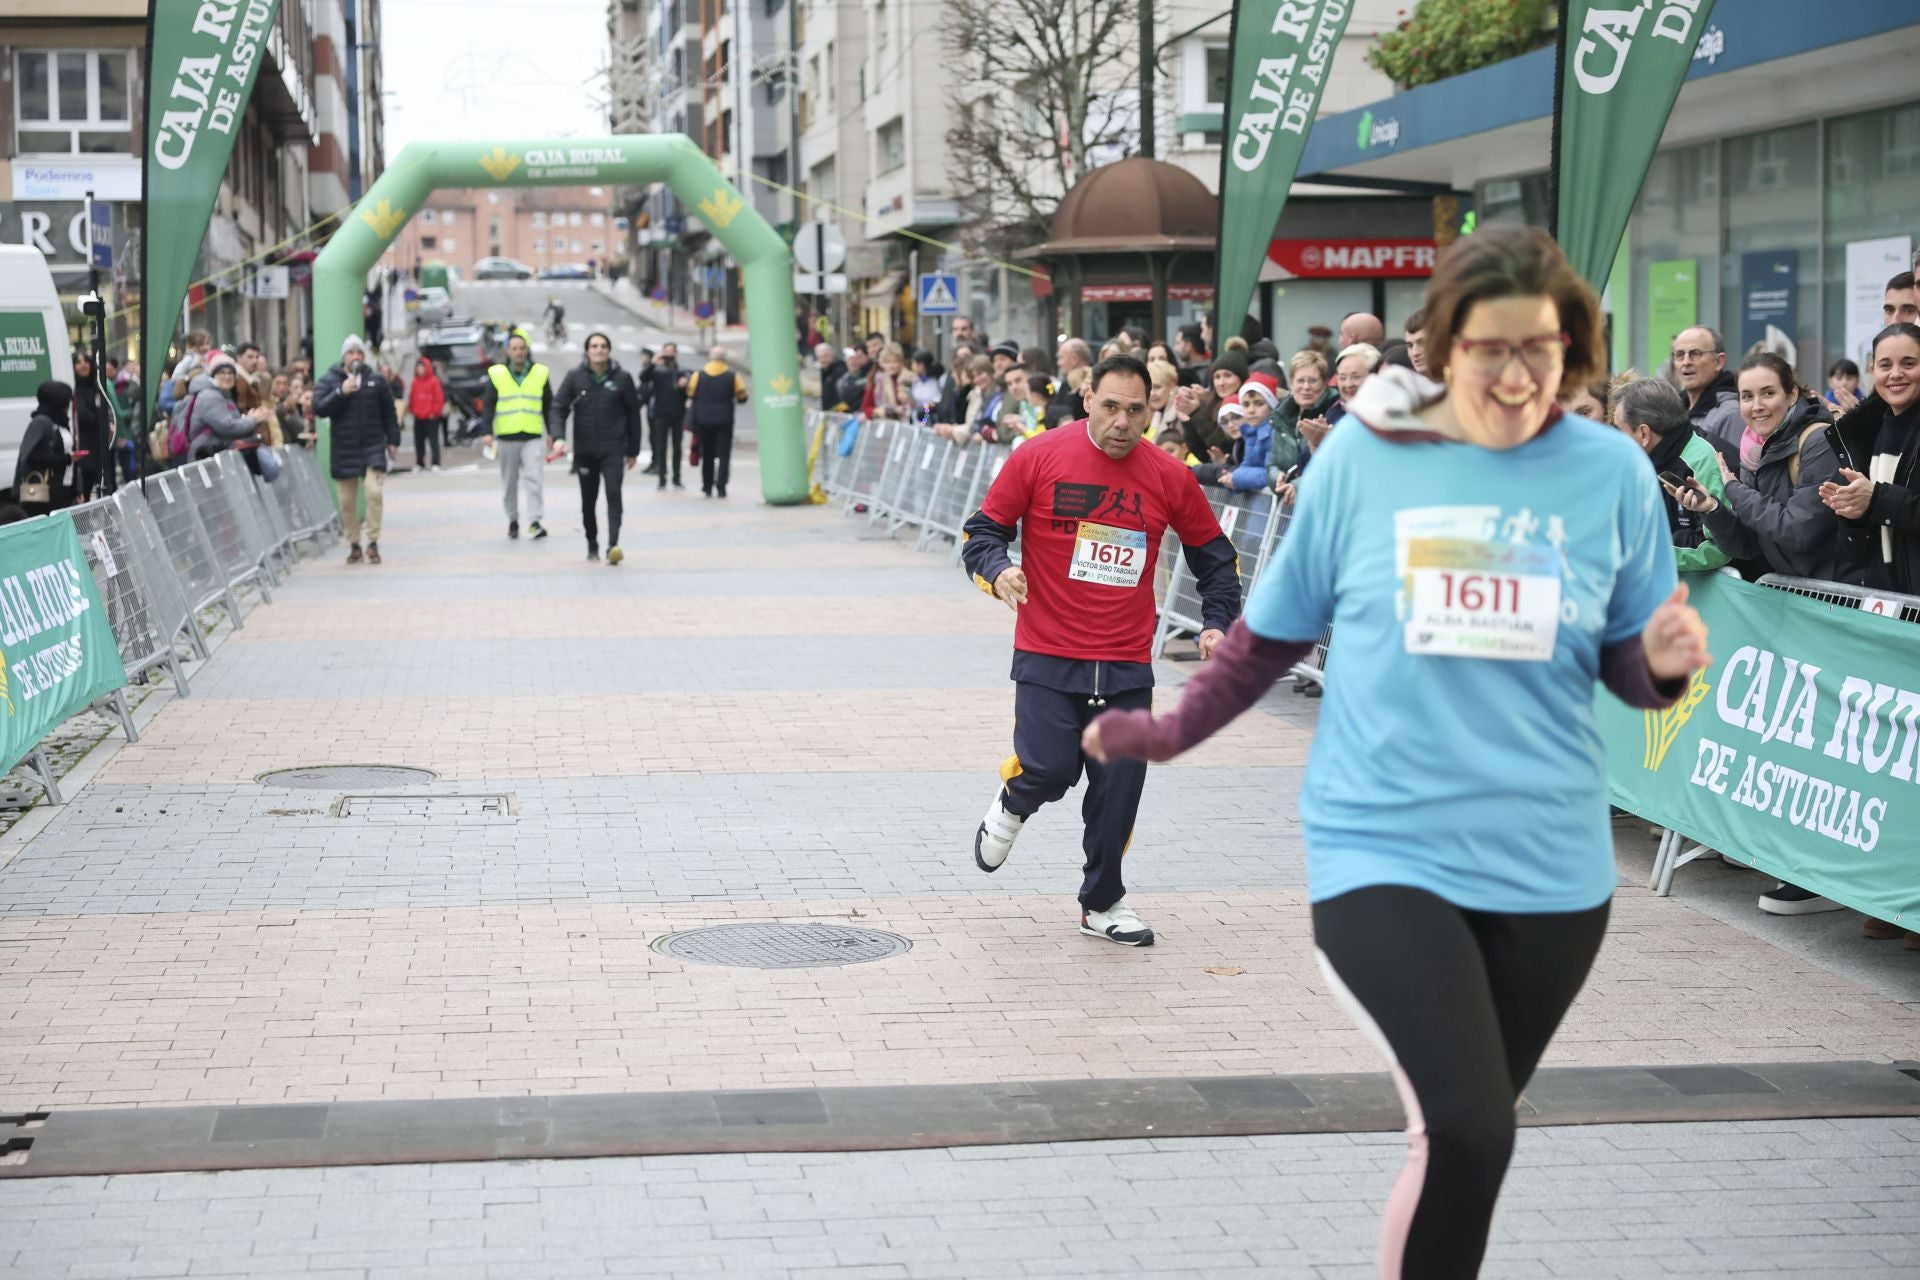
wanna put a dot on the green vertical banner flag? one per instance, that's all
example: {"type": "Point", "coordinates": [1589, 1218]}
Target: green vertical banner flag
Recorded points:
{"type": "Point", "coordinates": [1621, 67]}
{"type": "Point", "coordinates": [203, 56]}
{"type": "Point", "coordinates": [1797, 751]}
{"type": "Point", "coordinates": [1282, 52]}
{"type": "Point", "coordinates": [57, 651]}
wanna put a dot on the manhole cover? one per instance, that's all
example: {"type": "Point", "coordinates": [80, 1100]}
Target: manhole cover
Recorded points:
{"type": "Point", "coordinates": [337, 777]}
{"type": "Point", "coordinates": [781, 946]}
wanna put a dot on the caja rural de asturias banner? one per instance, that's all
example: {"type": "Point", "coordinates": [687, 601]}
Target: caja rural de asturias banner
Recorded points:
{"type": "Point", "coordinates": [203, 58]}
{"type": "Point", "coordinates": [1623, 65]}
{"type": "Point", "coordinates": [1282, 51]}
{"type": "Point", "coordinates": [1798, 750]}
{"type": "Point", "coordinates": [57, 651]}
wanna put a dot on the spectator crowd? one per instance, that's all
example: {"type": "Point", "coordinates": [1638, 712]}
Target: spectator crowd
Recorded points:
{"type": "Point", "coordinates": [1759, 473]}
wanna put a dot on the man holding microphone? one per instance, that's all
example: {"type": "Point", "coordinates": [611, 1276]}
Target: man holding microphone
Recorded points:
{"type": "Point", "coordinates": [365, 437]}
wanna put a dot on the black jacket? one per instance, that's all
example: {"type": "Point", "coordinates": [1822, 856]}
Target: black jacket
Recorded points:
{"type": "Point", "coordinates": [853, 388]}
{"type": "Point", "coordinates": [364, 423]}
{"type": "Point", "coordinates": [830, 384]}
{"type": "Point", "coordinates": [1775, 522]}
{"type": "Point", "coordinates": [606, 412]}
{"type": "Point", "coordinates": [667, 396]}
{"type": "Point", "coordinates": [42, 450]}
{"type": "Point", "coordinates": [1067, 405]}
{"type": "Point", "coordinates": [93, 425]}
{"type": "Point", "coordinates": [1895, 507]}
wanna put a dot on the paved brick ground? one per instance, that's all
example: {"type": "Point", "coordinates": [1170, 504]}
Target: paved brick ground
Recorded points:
{"type": "Point", "coordinates": [766, 714]}
{"type": "Point", "coordinates": [1806, 1199]}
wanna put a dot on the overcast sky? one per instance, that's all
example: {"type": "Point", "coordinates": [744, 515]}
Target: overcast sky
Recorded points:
{"type": "Point", "coordinates": [471, 70]}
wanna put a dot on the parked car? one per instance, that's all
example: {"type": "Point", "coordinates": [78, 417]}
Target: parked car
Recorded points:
{"type": "Point", "coordinates": [461, 350]}
{"type": "Point", "coordinates": [431, 306]}
{"type": "Point", "coordinates": [567, 271]}
{"type": "Point", "coordinates": [501, 269]}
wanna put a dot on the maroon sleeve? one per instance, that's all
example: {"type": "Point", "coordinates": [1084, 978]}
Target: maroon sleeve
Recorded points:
{"type": "Point", "coordinates": [1243, 668]}
{"type": "Point", "coordinates": [1623, 669]}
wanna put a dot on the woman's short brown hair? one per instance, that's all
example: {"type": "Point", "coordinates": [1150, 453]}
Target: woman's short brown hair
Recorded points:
{"type": "Point", "coordinates": [1513, 262]}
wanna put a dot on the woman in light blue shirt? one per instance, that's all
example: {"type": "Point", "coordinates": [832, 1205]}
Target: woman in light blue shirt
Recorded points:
{"type": "Point", "coordinates": [1485, 559]}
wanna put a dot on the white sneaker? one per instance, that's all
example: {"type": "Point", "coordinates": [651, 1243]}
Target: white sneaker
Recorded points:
{"type": "Point", "coordinates": [436, 466]}
{"type": "Point", "coordinates": [994, 840]}
{"type": "Point", "coordinates": [1117, 924]}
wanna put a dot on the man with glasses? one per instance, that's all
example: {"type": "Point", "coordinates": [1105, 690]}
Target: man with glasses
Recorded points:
{"type": "Point", "coordinates": [1713, 395]}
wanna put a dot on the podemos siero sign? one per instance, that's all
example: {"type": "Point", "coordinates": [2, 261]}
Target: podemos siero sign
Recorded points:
{"type": "Point", "coordinates": [1797, 751]}
{"type": "Point", "coordinates": [57, 652]}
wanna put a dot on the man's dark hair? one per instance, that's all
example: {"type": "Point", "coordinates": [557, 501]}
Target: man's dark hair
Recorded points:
{"type": "Point", "coordinates": [1416, 323]}
{"type": "Point", "coordinates": [1652, 403]}
{"type": "Point", "coordinates": [1129, 366]}
{"type": "Point", "coordinates": [13, 513]}
{"type": "Point", "coordinates": [1843, 368]}
{"type": "Point", "coordinates": [1902, 281]}
{"type": "Point", "coordinates": [1172, 433]}
{"type": "Point", "coordinates": [245, 347]}
{"type": "Point", "coordinates": [1190, 333]}
{"type": "Point", "coordinates": [875, 337]}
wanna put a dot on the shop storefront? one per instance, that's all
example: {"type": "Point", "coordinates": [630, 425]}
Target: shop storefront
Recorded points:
{"type": "Point", "coordinates": [1774, 216]}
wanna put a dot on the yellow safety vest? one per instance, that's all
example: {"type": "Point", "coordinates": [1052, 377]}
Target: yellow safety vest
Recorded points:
{"type": "Point", "coordinates": [516, 405]}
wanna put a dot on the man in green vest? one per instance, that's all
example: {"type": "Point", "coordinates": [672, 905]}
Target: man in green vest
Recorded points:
{"type": "Point", "coordinates": [514, 412]}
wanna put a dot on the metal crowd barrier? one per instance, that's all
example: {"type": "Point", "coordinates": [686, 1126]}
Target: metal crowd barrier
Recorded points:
{"type": "Point", "coordinates": [184, 540]}
{"type": "Point", "coordinates": [197, 563]}
{"type": "Point", "coordinates": [1253, 523]}
{"type": "Point", "coordinates": [1888, 604]}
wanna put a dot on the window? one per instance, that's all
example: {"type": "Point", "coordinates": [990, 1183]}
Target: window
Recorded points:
{"type": "Point", "coordinates": [72, 102]}
{"type": "Point", "coordinates": [573, 219]}
{"type": "Point", "coordinates": [880, 38]}
{"type": "Point", "coordinates": [596, 246]}
{"type": "Point", "coordinates": [891, 143]}
{"type": "Point", "coordinates": [1219, 68]}
{"type": "Point", "coordinates": [576, 246]}
{"type": "Point", "coordinates": [540, 246]}
{"type": "Point", "coordinates": [427, 242]}
{"type": "Point", "coordinates": [598, 220]}
{"type": "Point", "coordinates": [426, 217]}
{"type": "Point", "coordinates": [447, 244]}
{"type": "Point", "coordinates": [539, 218]}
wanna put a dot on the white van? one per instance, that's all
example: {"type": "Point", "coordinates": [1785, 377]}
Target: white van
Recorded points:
{"type": "Point", "coordinates": [33, 344]}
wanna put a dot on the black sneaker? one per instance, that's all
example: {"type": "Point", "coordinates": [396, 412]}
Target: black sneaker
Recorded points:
{"type": "Point", "coordinates": [513, 528]}
{"type": "Point", "coordinates": [535, 531]}
{"type": "Point", "coordinates": [1792, 900]}
{"type": "Point", "coordinates": [678, 485]}
{"type": "Point", "coordinates": [723, 490]}
{"type": "Point", "coordinates": [593, 551]}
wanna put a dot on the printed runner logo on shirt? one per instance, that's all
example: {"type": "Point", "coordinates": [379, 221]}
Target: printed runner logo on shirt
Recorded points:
{"type": "Point", "coordinates": [1466, 592]}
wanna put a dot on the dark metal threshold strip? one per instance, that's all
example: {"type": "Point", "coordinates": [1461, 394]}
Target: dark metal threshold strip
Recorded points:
{"type": "Point", "coordinates": [880, 1117]}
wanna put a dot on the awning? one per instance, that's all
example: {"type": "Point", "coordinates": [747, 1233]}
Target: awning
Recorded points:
{"type": "Point", "coordinates": [886, 290]}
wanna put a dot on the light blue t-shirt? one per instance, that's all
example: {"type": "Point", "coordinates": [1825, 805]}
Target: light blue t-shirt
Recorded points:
{"type": "Point", "coordinates": [1479, 778]}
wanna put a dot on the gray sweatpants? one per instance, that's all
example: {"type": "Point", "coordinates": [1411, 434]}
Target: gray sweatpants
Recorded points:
{"type": "Point", "coordinates": [522, 466]}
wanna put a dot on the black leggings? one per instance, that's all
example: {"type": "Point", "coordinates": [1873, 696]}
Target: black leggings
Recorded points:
{"type": "Point", "coordinates": [592, 471]}
{"type": "Point", "coordinates": [1463, 1004]}
{"type": "Point", "coordinates": [426, 434]}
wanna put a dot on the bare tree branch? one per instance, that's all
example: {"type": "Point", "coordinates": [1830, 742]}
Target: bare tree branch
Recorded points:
{"type": "Point", "coordinates": [1052, 84]}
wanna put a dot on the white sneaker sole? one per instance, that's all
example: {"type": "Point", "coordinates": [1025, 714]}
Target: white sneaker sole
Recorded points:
{"type": "Point", "coordinates": [1809, 907]}
{"type": "Point", "coordinates": [1092, 932]}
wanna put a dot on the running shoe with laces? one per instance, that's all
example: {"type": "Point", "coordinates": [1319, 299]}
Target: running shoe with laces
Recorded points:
{"type": "Point", "coordinates": [994, 840]}
{"type": "Point", "coordinates": [615, 555]}
{"type": "Point", "coordinates": [1117, 924]}
{"type": "Point", "coordinates": [534, 530]}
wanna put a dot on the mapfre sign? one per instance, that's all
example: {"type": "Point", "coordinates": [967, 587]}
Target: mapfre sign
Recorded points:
{"type": "Point", "coordinates": [1369, 259]}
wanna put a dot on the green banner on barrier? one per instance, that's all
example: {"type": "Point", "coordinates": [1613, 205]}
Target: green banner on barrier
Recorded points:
{"type": "Point", "coordinates": [1798, 750]}
{"type": "Point", "coordinates": [57, 652]}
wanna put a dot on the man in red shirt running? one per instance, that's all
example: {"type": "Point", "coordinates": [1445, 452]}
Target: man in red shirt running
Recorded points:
{"type": "Point", "coordinates": [1090, 509]}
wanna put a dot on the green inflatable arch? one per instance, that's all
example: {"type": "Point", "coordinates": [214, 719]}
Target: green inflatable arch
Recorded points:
{"type": "Point", "coordinates": [340, 272]}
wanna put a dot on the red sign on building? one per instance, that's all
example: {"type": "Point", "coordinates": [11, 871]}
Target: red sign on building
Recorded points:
{"type": "Point", "coordinates": [1353, 259]}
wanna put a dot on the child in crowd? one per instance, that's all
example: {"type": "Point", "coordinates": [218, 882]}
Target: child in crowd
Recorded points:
{"type": "Point", "coordinates": [1259, 397]}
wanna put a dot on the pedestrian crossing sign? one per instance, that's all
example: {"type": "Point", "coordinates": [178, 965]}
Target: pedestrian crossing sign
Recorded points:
{"type": "Point", "coordinates": [939, 295]}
